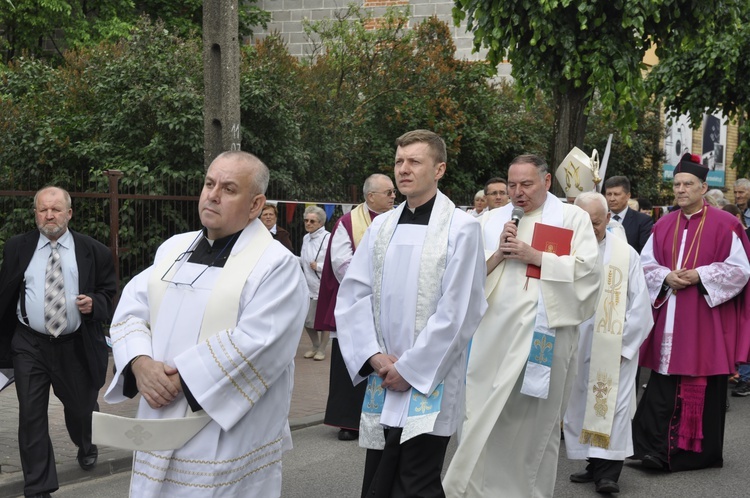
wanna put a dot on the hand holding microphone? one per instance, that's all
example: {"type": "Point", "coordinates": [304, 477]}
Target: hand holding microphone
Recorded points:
{"type": "Point", "coordinates": [515, 217]}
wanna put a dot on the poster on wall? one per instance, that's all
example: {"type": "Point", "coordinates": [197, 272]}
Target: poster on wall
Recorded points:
{"type": "Point", "coordinates": [678, 139]}
{"type": "Point", "coordinates": [713, 145]}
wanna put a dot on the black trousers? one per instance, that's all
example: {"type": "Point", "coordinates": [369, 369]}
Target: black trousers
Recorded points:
{"type": "Point", "coordinates": [409, 470]}
{"type": "Point", "coordinates": [344, 404]}
{"type": "Point", "coordinates": [39, 363]}
{"type": "Point", "coordinates": [656, 423]}
{"type": "Point", "coordinates": [605, 469]}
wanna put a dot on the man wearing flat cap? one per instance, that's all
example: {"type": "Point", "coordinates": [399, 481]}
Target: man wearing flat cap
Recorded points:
{"type": "Point", "coordinates": [696, 267]}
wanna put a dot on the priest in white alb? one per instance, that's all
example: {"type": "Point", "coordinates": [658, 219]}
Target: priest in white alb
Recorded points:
{"type": "Point", "coordinates": [597, 423]}
{"type": "Point", "coordinates": [406, 310]}
{"type": "Point", "coordinates": [522, 361]}
{"type": "Point", "coordinates": [207, 335]}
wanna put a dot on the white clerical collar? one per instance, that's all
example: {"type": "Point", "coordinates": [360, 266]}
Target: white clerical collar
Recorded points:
{"type": "Point", "coordinates": [273, 230]}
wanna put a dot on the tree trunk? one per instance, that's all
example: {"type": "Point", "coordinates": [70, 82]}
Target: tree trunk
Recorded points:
{"type": "Point", "coordinates": [569, 129]}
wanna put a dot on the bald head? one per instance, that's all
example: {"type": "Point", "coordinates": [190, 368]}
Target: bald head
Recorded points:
{"type": "Point", "coordinates": [379, 193]}
{"type": "Point", "coordinates": [233, 193]}
{"type": "Point", "coordinates": [596, 206]}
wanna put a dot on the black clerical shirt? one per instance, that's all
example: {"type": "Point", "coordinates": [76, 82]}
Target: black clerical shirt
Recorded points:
{"type": "Point", "coordinates": [420, 216]}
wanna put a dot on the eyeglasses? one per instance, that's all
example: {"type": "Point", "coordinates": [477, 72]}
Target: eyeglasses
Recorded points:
{"type": "Point", "coordinates": [496, 193]}
{"type": "Point", "coordinates": [182, 257]}
{"type": "Point", "coordinates": [312, 221]}
{"type": "Point", "coordinates": [388, 193]}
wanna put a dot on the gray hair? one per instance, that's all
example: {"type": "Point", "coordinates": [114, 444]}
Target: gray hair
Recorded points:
{"type": "Point", "coordinates": [369, 185]}
{"type": "Point", "coordinates": [539, 163]}
{"type": "Point", "coordinates": [260, 174]}
{"type": "Point", "coordinates": [318, 212]}
{"type": "Point", "coordinates": [715, 197]}
{"type": "Point", "coordinates": [742, 182]}
{"type": "Point", "coordinates": [587, 198]}
{"type": "Point", "coordinates": [479, 194]}
{"type": "Point", "coordinates": [66, 195]}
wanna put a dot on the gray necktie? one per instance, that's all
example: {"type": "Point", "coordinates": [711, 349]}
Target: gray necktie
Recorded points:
{"type": "Point", "coordinates": [55, 318]}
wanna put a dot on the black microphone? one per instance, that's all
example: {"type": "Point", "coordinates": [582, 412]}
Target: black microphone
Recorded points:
{"type": "Point", "coordinates": [515, 217]}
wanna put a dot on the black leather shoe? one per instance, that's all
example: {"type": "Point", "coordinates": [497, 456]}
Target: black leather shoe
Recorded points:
{"type": "Point", "coordinates": [88, 462]}
{"type": "Point", "coordinates": [347, 435]}
{"type": "Point", "coordinates": [651, 462]}
{"type": "Point", "coordinates": [584, 476]}
{"type": "Point", "coordinates": [605, 485]}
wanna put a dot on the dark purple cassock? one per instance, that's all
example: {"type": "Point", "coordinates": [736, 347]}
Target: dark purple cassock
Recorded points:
{"type": "Point", "coordinates": [680, 419]}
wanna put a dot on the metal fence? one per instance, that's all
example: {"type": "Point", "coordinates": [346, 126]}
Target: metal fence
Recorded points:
{"type": "Point", "coordinates": [134, 217]}
{"type": "Point", "coordinates": [133, 220]}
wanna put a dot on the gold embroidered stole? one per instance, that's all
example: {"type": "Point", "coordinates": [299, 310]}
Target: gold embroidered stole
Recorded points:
{"type": "Point", "coordinates": [360, 221]}
{"type": "Point", "coordinates": [220, 315]}
{"type": "Point", "coordinates": [606, 347]}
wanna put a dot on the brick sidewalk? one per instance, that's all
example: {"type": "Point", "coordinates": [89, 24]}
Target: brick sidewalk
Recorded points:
{"type": "Point", "coordinates": [308, 405]}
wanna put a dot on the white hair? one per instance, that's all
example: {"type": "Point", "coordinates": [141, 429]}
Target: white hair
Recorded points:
{"type": "Point", "coordinates": [586, 198]}
{"type": "Point", "coordinates": [318, 212]}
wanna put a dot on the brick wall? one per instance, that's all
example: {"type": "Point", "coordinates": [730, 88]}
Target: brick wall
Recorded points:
{"type": "Point", "coordinates": [287, 16]}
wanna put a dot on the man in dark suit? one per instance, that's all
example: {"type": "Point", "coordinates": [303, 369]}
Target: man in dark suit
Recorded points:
{"type": "Point", "coordinates": [56, 290]}
{"type": "Point", "coordinates": [637, 225]}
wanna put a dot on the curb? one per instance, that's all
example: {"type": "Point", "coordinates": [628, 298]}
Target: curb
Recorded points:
{"type": "Point", "coordinates": [115, 462]}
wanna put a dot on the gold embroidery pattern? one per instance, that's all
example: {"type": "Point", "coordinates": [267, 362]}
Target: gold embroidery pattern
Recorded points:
{"type": "Point", "coordinates": [226, 374]}
{"type": "Point", "coordinates": [572, 177]}
{"type": "Point", "coordinates": [424, 401]}
{"type": "Point", "coordinates": [246, 360]}
{"type": "Point", "coordinates": [373, 391]}
{"type": "Point", "coordinates": [601, 389]}
{"type": "Point", "coordinates": [124, 329]}
{"type": "Point", "coordinates": [209, 486]}
{"type": "Point", "coordinates": [170, 468]}
{"type": "Point", "coordinates": [235, 366]}
{"type": "Point", "coordinates": [213, 462]}
{"type": "Point", "coordinates": [543, 345]}
{"type": "Point", "coordinates": [613, 295]}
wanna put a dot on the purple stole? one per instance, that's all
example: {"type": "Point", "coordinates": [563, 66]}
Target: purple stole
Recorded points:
{"type": "Point", "coordinates": [329, 286]}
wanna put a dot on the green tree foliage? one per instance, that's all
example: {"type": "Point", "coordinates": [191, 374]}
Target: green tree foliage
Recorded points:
{"type": "Point", "coordinates": [368, 86]}
{"type": "Point", "coordinates": [135, 106]}
{"type": "Point", "coordinates": [707, 71]}
{"type": "Point", "coordinates": [49, 27]}
{"type": "Point", "coordinates": [576, 50]}
{"type": "Point", "coordinates": [322, 125]}
{"type": "Point", "coordinates": [640, 158]}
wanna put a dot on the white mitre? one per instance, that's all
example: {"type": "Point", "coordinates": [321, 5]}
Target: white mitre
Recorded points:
{"type": "Point", "coordinates": [578, 173]}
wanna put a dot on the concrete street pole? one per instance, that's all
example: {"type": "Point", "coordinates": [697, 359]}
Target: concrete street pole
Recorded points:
{"type": "Point", "coordinates": [221, 77]}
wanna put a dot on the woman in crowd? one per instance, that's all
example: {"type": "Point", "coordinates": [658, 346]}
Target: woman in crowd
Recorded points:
{"type": "Point", "coordinates": [268, 216]}
{"type": "Point", "coordinates": [311, 258]}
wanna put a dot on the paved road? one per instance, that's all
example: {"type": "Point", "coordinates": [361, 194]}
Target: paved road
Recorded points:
{"type": "Point", "coordinates": [321, 466]}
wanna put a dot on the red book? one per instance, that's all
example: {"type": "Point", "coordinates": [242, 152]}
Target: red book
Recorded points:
{"type": "Point", "coordinates": [548, 238]}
